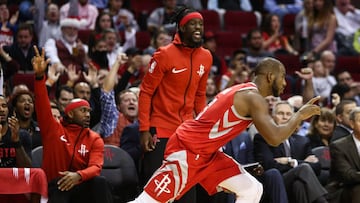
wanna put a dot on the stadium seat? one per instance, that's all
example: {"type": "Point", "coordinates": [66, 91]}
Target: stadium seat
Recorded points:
{"type": "Point", "coordinates": [119, 169]}
{"type": "Point", "coordinates": [291, 62]}
{"type": "Point", "coordinates": [227, 43]}
{"type": "Point", "coordinates": [143, 39]}
{"type": "Point", "coordinates": [142, 9]}
{"type": "Point", "coordinates": [147, 6]}
{"type": "Point", "coordinates": [349, 63]}
{"type": "Point", "coordinates": [323, 154]}
{"type": "Point", "coordinates": [84, 36]}
{"type": "Point", "coordinates": [36, 157]}
{"type": "Point", "coordinates": [23, 78]}
{"type": "Point", "coordinates": [211, 20]}
{"type": "Point", "coordinates": [239, 21]}
{"type": "Point", "coordinates": [288, 24]}
{"type": "Point", "coordinates": [13, 8]}
{"type": "Point", "coordinates": [356, 76]}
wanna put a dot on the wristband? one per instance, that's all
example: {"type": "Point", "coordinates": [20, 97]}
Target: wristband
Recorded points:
{"type": "Point", "coordinates": [39, 77]}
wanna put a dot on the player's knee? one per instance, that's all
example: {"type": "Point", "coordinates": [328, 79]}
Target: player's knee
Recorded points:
{"type": "Point", "coordinates": [257, 189]}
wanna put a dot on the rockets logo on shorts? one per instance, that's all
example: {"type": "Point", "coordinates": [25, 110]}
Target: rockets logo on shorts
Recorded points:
{"type": "Point", "coordinates": [161, 187]}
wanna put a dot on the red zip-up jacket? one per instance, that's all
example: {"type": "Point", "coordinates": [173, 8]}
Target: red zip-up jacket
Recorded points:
{"type": "Point", "coordinates": [67, 147]}
{"type": "Point", "coordinates": [173, 89]}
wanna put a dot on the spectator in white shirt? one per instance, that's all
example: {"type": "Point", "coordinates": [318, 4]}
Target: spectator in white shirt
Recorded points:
{"type": "Point", "coordinates": [113, 40]}
{"type": "Point", "coordinates": [322, 82]}
{"type": "Point", "coordinates": [348, 22]}
{"type": "Point", "coordinates": [68, 49]}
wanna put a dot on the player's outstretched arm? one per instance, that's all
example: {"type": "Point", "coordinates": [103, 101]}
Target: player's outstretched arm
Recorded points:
{"type": "Point", "coordinates": [254, 105]}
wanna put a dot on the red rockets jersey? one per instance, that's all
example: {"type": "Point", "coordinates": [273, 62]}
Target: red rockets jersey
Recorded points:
{"type": "Point", "coordinates": [217, 124]}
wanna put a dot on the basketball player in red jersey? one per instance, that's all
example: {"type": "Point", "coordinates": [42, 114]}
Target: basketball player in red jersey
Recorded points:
{"type": "Point", "coordinates": [192, 154]}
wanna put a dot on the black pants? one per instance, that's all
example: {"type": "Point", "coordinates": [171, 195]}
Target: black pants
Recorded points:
{"type": "Point", "coordinates": [96, 190]}
{"type": "Point", "coordinates": [302, 184]}
{"type": "Point", "coordinates": [202, 196]}
{"type": "Point", "coordinates": [152, 161]}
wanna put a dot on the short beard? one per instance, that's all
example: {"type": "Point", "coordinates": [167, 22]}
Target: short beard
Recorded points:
{"type": "Point", "coordinates": [257, 49]}
{"type": "Point", "coordinates": [194, 44]}
{"type": "Point", "coordinates": [275, 90]}
{"type": "Point", "coordinates": [70, 40]}
{"type": "Point", "coordinates": [197, 44]}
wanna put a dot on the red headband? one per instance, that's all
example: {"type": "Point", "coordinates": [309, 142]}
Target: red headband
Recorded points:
{"type": "Point", "coordinates": [190, 16]}
{"type": "Point", "coordinates": [75, 103]}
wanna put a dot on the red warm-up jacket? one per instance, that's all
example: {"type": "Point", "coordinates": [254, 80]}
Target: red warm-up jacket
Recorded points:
{"type": "Point", "coordinates": [173, 89]}
{"type": "Point", "coordinates": [67, 147]}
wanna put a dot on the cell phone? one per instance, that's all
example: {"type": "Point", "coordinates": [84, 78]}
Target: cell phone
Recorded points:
{"type": "Point", "coordinates": [255, 169]}
{"type": "Point", "coordinates": [251, 166]}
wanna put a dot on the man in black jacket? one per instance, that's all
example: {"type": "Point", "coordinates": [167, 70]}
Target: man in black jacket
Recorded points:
{"type": "Point", "coordinates": [294, 159]}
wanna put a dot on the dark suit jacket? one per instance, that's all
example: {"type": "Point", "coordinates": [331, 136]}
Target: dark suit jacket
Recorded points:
{"type": "Point", "coordinates": [299, 146]}
{"type": "Point", "coordinates": [345, 161]}
{"type": "Point", "coordinates": [241, 148]}
{"type": "Point", "coordinates": [24, 61]}
{"type": "Point", "coordinates": [130, 141]}
{"type": "Point", "coordinates": [339, 132]}
{"type": "Point", "coordinates": [95, 113]}
{"type": "Point", "coordinates": [315, 140]}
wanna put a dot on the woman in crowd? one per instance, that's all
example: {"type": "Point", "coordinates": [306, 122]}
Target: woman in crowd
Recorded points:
{"type": "Point", "coordinates": [321, 27]}
{"type": "Point", "coordinates": [159, 39]}
{"type": "Point", "coordinates": [23, 108]}
{"type": "Point", "coordinates": [321, 128]}
{"type": "Point", "coordinates": [211, 89]}
{"type": "Point", "coordinates": [301, 26]}
{"type": "Point", "coordinates": [8, 25]}
{"type": "Point", "coordinates": [103, 22]}
{"type": "Point", "coordinates": [274, 40]}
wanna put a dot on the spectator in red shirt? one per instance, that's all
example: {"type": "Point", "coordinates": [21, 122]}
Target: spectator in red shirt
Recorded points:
{"type": "Point", "coordinates": [73, 154]}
